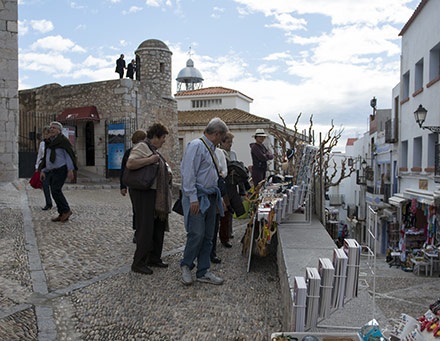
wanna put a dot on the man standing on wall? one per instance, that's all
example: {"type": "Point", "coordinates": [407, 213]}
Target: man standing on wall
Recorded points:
{"type": "Point", "coordinates": [120, 66]}
{"type": "Point", "coordinates": [58, 162]}
{"type": "Point", "coordinates": [200, 200]}
{"type": "Point", "coordinates": [131, 69]}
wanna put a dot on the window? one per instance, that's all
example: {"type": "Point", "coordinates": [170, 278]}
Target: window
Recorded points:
{"type": "Point", "coordinates": [417, 152]}
{"type": "Point", "coordinates": [206, 103]}
{"type": "Point", "coordinates": [405, 90]}
{"type": "Point", "coordinates": [404, 154]}
{"type": "Point", "coordinates": [434, 62]}
{"type": "Point", "coordinates": [432, 141]}
{"type": "Point", "coordinates": [162, 67]}
{"type": "Point", "coordinates": [418, 77]}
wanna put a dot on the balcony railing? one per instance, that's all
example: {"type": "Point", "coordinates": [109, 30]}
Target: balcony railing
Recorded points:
{"type": "Point", "coordinates": [386, 192]}
{"type": "Point", "coordinates": [437, 163]}
{"type": "Point", "coordinates": [390, 132]}
{"type": "Point", "coordinates": [336, 199]}
{"type": "Point", "coordinates": [437, 159]}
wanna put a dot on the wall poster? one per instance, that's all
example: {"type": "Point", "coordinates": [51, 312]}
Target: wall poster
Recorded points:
{"type": "Point", "coordinates": [116, 146]}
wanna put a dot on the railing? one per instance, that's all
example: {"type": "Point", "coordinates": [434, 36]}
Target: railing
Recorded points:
{"type": "Point", "coordinates": [352, 211]}
{"type": "Point", "coordinates": [390, 132]}
{"type": "Point", "coordinates": [386, 192]}
{"type": "Point", "coordinates": [30, 128]}
{"type": "Point", "coordinates": [336, 199]}
{"type": "Point", "coordinates": [437, 160]}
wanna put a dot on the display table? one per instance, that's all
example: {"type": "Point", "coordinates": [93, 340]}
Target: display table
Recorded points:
{"type": "Point", "coordinates": [433, 260]}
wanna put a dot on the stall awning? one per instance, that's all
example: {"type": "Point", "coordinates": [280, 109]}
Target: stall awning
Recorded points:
{"type": "Point", "coordinates": [397, 199]}
{"type": "Point", "coordinates": [89, 113]}
{"type": "Point", "coordinates": [425, 197]}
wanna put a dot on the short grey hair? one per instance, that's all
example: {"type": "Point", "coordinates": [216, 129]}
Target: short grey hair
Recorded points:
{"type": "Point", "coordinates": [58, 124]}
{"type": "Point", "coordinates": [216, 125]}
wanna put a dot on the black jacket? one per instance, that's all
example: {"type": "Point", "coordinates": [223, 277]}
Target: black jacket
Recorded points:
{"type": "Point", "coordinates": [123, 166]}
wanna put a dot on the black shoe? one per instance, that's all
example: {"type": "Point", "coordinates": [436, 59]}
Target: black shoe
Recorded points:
{"type": "Point", "coordinates": [227, 244]}
{"type": "Point", "coordinates": [47, 207]}
{"type": "Point", "coordinates": [142, 269]}
{"type": "Point", "coordinates": [159, 264]}
{"type": "Point", "coordinates": [215, 260]}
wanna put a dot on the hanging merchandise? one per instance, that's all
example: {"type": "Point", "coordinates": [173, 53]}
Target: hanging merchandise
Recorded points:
{"type": "Point", "coordinates": [413, 206]}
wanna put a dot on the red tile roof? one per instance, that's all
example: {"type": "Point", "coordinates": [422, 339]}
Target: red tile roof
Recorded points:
{"type": "Point", "coordinates": [215, 90]}
{"type": "Point", "coordinates": [350, 141]}
{"type": "Point", "coordinates": [229, 116]}
{"type": "Point", "coordinates": [413, 17]}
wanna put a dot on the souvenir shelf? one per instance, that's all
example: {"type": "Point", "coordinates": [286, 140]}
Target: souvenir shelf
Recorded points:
{"type": "Point", "coordinates": [414, 239]}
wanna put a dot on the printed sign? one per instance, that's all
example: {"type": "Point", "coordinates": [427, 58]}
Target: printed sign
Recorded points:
{"type": "Point", "coordinates": [69, 132]}
{"type": "Point", "coordinates": [116, 146]}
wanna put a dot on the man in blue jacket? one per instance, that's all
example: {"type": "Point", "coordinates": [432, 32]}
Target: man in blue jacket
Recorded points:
{"type": "Point", "coordinates": [200, 200]}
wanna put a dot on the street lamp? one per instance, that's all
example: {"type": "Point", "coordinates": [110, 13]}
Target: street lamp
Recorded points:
{"type": "Point", "coordinates": [373, 104]}
{"type": "Point", "coordinates": [420, 116]}
{"type": "Point", "coordinates": [364, 166]}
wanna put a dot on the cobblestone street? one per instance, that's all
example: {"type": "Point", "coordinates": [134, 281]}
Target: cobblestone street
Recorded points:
{"type": "Point", "coordinates": [89, 293]}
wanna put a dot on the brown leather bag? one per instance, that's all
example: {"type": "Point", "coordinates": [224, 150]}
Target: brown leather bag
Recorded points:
{"type": "Point", "coordinates": [141, 178]}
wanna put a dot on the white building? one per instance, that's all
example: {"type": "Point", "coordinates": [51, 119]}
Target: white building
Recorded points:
{"type": "Point", "coordinates": [402, 182]}
{"type": "Point", "coordinates": [419, 85]}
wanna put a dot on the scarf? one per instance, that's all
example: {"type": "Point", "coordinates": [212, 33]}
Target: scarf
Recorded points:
{"type": "Point", "coordinates": [162, 207]}
{"type": "Point", "coordinates": [58, 142]}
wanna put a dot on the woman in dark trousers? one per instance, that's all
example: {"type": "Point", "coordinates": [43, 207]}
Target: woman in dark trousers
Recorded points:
{"type": "Point", "coordinates": [151, 206]}
{"type": "Point", "coordinates": [137, 137]}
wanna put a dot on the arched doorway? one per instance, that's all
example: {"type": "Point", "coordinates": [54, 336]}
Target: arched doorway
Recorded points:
{"type": "Point", "coordinates": [90, 144]}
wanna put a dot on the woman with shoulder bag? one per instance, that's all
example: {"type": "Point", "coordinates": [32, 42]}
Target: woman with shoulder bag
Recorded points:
{"type": "Point", "coordinates": [153, 202]}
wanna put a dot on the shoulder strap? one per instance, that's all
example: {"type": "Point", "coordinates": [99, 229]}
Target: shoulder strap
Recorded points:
{"type": "Point", "coordinates": [212, 155]}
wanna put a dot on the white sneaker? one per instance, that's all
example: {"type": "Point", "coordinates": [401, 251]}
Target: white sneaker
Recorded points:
{"type": "Point", "coordinates": [209, 277]}
{"type": "Point", "coordinates": [186, 275]}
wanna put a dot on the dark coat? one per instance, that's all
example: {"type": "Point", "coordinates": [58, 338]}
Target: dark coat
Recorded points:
{"type": "Point", "coordinates": [120, 65]}
{"type": "Point", "coordinates": [131, 69]}
{"type": "Point", "coordinates": [123, 166]}
{"type": "Point", "coordinates": [260, 155]}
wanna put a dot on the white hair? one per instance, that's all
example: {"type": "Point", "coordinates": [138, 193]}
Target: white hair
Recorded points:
{"type": "Point", "coordinates": [57, 124]}
{"type": "Point", "coordinates": [216, 125]}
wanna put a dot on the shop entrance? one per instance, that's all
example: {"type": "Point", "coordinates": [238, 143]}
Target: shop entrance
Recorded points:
{"type": "Point", "coordinates": [90, 144]}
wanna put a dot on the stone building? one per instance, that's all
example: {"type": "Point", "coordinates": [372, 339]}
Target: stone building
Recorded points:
{"type": "Point", "coordinates": [8, 91]}
{"type": "Point", "coordinates": [89, 111]}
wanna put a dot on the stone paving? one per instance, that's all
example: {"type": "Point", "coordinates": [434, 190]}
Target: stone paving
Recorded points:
{"type": "Point", "coordinates": [74, 282]}
{"type": "Point", "coordinates": [92, 294]}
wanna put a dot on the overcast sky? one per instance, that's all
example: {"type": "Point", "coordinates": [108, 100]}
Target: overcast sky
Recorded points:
{"type": "Point", "coordinates": [322, 57]}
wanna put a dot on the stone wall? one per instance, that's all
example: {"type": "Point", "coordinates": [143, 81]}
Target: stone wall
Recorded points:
{"type": "Point", "coordinates": [114, 99]}
{"type": "Point", "coordinates": [8, 91]}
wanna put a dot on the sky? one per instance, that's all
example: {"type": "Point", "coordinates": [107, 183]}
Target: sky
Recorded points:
{"type": "Point", "coordinates": [325, 58]}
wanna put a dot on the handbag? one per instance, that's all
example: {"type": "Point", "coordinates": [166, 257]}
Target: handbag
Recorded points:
{"type": "Point", "coordinates": [221, 184]}
{"type": "Point", "coordinates": [177, 207]}
{"type": "Point", "coordinates": [141, 178]}
{"type": "Point", "coordinates": [35, 181]}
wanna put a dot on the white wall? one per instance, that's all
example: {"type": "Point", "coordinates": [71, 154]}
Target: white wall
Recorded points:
{"type": "Point", "coordinates": [417, 41]}
{"type": "Point", "coordinates": [242, 139]}
{"type": "Point", "coordinates": [229, 101]}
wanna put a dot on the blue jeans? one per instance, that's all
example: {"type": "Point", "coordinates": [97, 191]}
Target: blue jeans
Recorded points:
{"type": "Point", "coordinates": [199, 234]}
